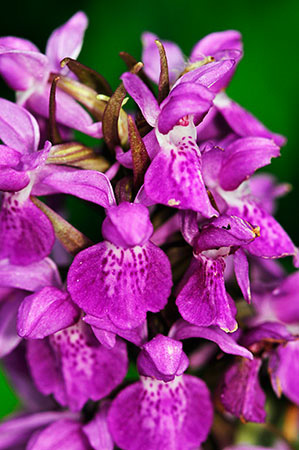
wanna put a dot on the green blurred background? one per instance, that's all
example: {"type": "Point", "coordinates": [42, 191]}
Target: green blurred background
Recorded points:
{"type": "Point", "coordinates": [265, 82]}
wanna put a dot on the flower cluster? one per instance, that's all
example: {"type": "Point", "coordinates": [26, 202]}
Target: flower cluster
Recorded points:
{"type": "Point", "coordinates": [188, 238]}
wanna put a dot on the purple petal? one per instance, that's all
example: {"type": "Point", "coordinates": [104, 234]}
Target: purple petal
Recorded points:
{"type": "Point", "coordinates": [142, 96]}
{"type": "Point", "coordinates": [215, 42]}
{"type": "Point", "coordinates": [174, 176]}
{"type": "Point", "coordinates": [82, 359]}
{"type": "Point", "coordinates": [151, 58]}
{"type": "Point", "coordinates": [97, 430]}
{"type": "Point", "coordinates": [106, 332]}
{"type": "Point", "coordinates": [21, 64]}
{"type": "Point", "coordinates": [242, 275]}
{"type": "Point", "coordinates": [285, 299]}
{"type": "Point", "coordinates": [273, 241]}
{"type": "Point", "coordinates": [162, 358]}
{"type": "Point", "coordinates": [242, 122]}
{"type": "Point", "coordinates": [31, 277]}
{"type": "Point", "coordinates": [17, 431]}
{"type": "Point", "coordinates": [11, 179]}
{"type": "Point", "coordinates": [203, 300]}
{"type": "Point", "coordinates": [265, 189]}
{"type": "Point", "coordinates": [185, 99]}
{"type": "Point", "coordinates": [61, 435]}
{"type": "Point", "coordinates": [18, 128]}
{"type": "Point", "coordinates": [243, 157]}
{"type": "Point", "coordinates": [127, 225]}
{"type": "Point", "coordinates": [45, 371]}
{"type": "Point", "coordinates": [284, 370]}
{"type": "Point", "coordinates": [26, 233]}
{"type": "Point", "coordinates": [8, 320]}
{"type": "Point", "coordinates": [105, 279]}
{"type": "Point", "coordinates": [67, 40]}
{"type": "Point", "coordinates": [89, 185]}
{"type": "Point", "coordinates": [46, 312]}
{"type": "Point", "coordinates": [241, 393]}
{"type": "Point", "coordinates": [214, 76]}
{"type": "Point", "coordinates": [68, 112]}
{"type": "Point", "coordinates": [184, 330]}
{"type": "Point", "coordinates": [272, 331]}
{"type": "Point", "coordinates": [172, 416]}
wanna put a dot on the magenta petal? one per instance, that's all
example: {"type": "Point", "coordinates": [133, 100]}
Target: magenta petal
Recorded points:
{"type": "Point", "coordinates": [242, 122]}
{"type": "Point", "coordinates": [273, 241]}
{"type": "Point", "coordinates": [203, 300]}
{"type": "Point", "coordinates": [44, 370]}
{"type": "Point", "coordinates": [68, 112]}
{"type": "Point", "coordinates": [26, 233]}
{"type": "Point", "coordinates": [8, 319]}
{"type": "Point", "coordinates": [174, 178]}
{"type": "Point", "coordinates": [151, 58]}
{"type": "Point", "coordinates": [31, 277]}
{"type": "Point", "coordinates": [46, 312]}
{"type": "Point", "coordinates": [16, 431]}
{"type": "Point", "coordinates": [67, 40]}
{"type": "Point", "coordinates": [127, 225]}
{"type": "Point", "coordinates": [184, 99]}
{"type": "Point", "coordinates": [105, 279]}
{"type": "Point", "coordinates": [241, 393]}
{"type": "Point", "coordinates": [215, 42]}
{"type": "Point", "coordinates": [242, 275]}
{"type": "Point", "coordinates": [284, 370]}
{"type": "Point", "coordinates": [169, 416]}
{"type": "Point", "coordinates": [12, 180]}
{"type": "Point", "coordinates": [97, 430]}
{"type": "Point", "coordinates": [22, 69]}
{"type": "Point", "coordinates": [89, 185]}
{"type": "Point", "coordinates": [243, 157]}
{"type": "Point", "coordinates": [142, 96]}
{"type": "Point", "coordinates": [18, 128]}
{"type": "Point", "coordinates": [224, 231]}
{"type": "Point", "coordinates": [184, 330]}
{"type": "Point", "coordinates": [214, 76]}
{"type": "Point", "coordinates": [64, 434]}
{"type": "Point", "coordinates": [89, 370]}
{"type": "Point", "coordinates": [162, 358]}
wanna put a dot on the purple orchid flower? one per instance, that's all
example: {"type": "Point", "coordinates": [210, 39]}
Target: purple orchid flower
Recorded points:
{"type": "Point", "coordinates": [202, 299]}
{"type": "Point", "coordinates": [26, 233]}
{"type": "Point", "coordinates": [117, 277]}
{"type": "Point", "coordinates": [210, 50]}
{"type": "Point", "coordinates": [241, 393]}
{"type": "Point", "coordinates": [225, 172]}
{"type": "Point", "coordinates": [27, 71]}
{"type": "Point", "coordinates": [176, 159]}
{"type": "Point", "coordinates": [165, 409]}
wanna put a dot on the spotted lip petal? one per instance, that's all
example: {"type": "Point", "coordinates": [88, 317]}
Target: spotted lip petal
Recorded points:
{"type": "Point", "coordinates": [178, 168]}
{"type": "Point", "coordinates": [171, 416]}
{"type": "Point", "coordinates": [26, 233]}
{"type": "Point", "coordinates": [106, 279]}
{"type": "Point", "coordinates": [241, 393]}
{"type": "Point", "coordinates": [273, 241]}
{"type": "Point", "coordinates": [81, 358]}
{"type": "Point", "coordinates": [203, 300]}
